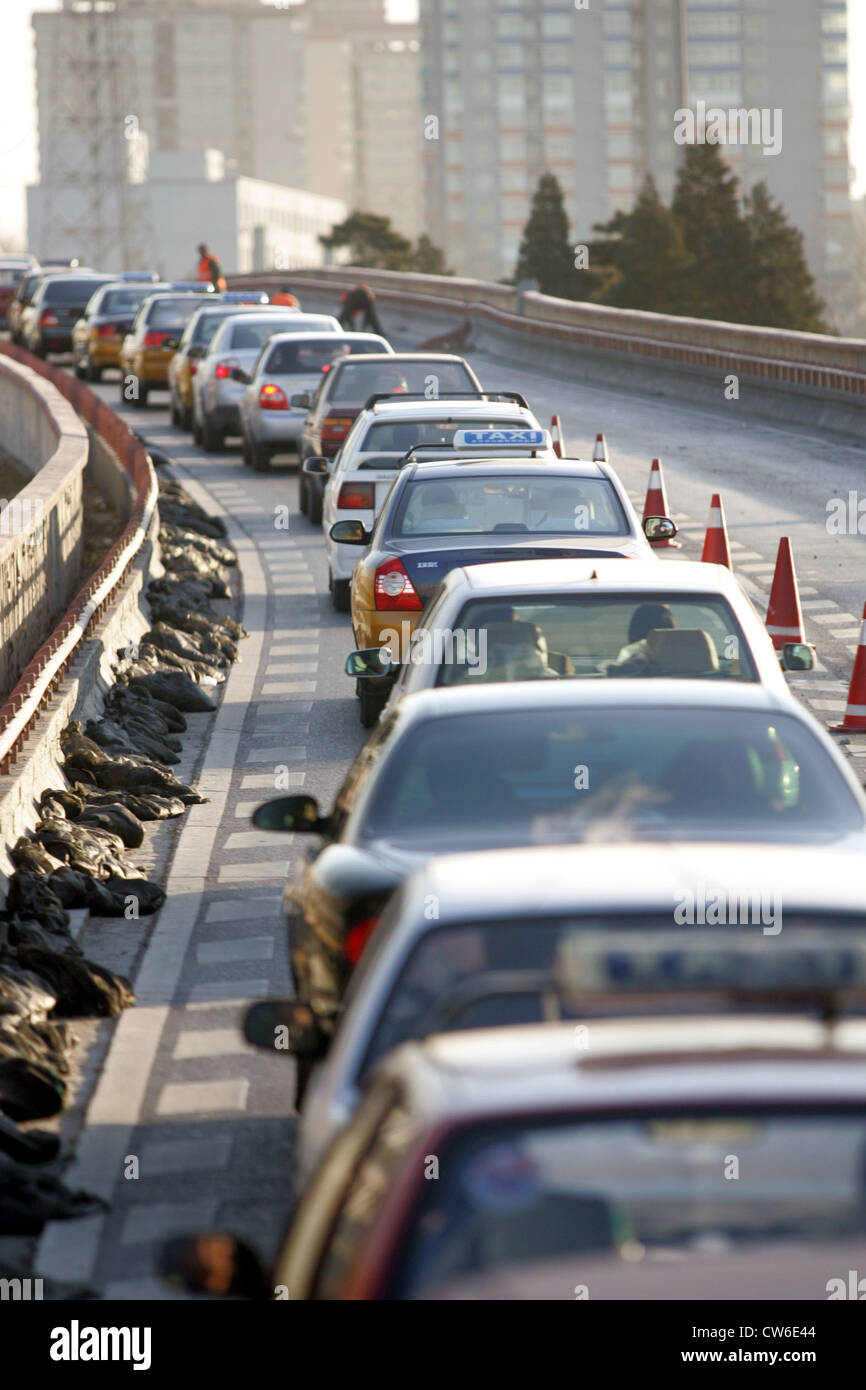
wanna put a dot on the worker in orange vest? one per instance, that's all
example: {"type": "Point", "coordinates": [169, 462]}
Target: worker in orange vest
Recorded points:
{"type": "Point", "coordinates": [209, 269]}
{"type": "Point", "coordinates": [284, 296]}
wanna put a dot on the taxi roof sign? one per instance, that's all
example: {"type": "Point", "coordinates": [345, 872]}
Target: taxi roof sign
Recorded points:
{"type": "Point", "coordinates": [502, 437]}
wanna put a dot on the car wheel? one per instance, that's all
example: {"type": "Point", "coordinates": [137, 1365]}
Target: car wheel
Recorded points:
{"type": "Point", "coordinates": [371, 705]}
{"type": "Point", "coordinates": [81, 371]}
{"type": "Point", "coordinates": [94, 373]}
{"type": "Point", "coordinates": [212, 438]}
{"type": "Point", "coordinates": [175, 413]}
{"type": "Point", "coordinates": [196, 430]}
{"type": "Point", "coordinates": [314, 510]}
{"type": "Point", "coordinates": [340, 594]}
{"type": "Point", "coordinates": [303, 1071]}
{"type": "Point", "coordinates": [139, 401]}
{"type": "Point", "coordinates": [303, 494]}
{"type": "Point", "coordinates": [246, 452]}
{"type": "Point", "coordinates": [260, 455]}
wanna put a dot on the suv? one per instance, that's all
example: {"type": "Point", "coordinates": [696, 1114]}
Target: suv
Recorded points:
{"type": "Point", "coordinates": [57, 304]}
{"type": "Point", "coordinates": [150, 344]}
{"type": "Point", "coordinates": [290, 365]}
{"type": "Point", "coordinates": [237, 343]}
{"type": "Point", "coordinates": [342, 394]}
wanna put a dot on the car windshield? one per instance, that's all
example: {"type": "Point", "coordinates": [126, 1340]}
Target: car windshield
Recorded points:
{"type": "Point", "coordinates": [584, 635]}
{"type": "Point", "coordinates": [70, 290]}
{"type": "Point", "coordinates": [312, 355]}
{"type": "Point", "coordinates": [360, 380]}
{"type": "Point", "coordinates": [485, 505]}
{"type": "Point", "coordinates": [625, 1197]}
{"type": "Point", "coordinates": [542, 775]}
{"type": "Point", "coordinates": [170, 313]}
{"type": "Point", "coordinates": [401, 435]}
{"type": "Point", "coordinates": [121, 301]}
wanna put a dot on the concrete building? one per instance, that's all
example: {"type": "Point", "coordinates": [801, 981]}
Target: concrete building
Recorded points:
{"type": "Point", "coordinates": [189, 197]}
{"type": "Point", "coordinates": [591, 93]}
{"type": "Point", "coordinates": [319, 96]}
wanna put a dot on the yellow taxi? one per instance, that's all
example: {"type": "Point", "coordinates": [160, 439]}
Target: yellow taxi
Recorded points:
{"type": "Point", "coordinates": [98, 335]}
{"type": "Point", "coordinates": [193, 345]}
{"type": "Point", "coordinates": [149, 346]}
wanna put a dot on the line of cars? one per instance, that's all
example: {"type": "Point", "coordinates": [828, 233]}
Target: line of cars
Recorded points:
{"type": "Point", "coordinates": [579, 950]}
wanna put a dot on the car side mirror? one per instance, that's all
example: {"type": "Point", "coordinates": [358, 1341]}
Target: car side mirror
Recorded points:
{"type": "Point", "coordinates": [238, 374]}
{"type": "Point", "coordinates": [196, 350]}
{"type": "Point", "coordinates": [315, 464]}
{"type": "Point", "coordinates": [300, 401]}
{"type": "Point", "coordinates": [298, 814]}
{"type": "Point", "coordinates": [350, 533]}
{"type": "Point", "coordinates": [798, 656]}
{"type": "Point", "coordinates": [214, 1263]}
{"type": "Point", "coordinates": [659, 528]}
{"type": "Point", "coordinates": [370, 661]}
{"type": "Point", "coordinates": [285, 1025]}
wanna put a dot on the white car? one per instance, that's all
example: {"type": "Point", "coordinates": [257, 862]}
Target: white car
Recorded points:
{"type": "Point", "coordinates": [507, 937]}
{"type": "Point", "coordinates": [216, 392]}
{"type": "Point", "coordinates": [583, 619]}
{"type": "Point", "coordinates": [287, 372]}
{"type": "Point", "coordinates": [361, 474]}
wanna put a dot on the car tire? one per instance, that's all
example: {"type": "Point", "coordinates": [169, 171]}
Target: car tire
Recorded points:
{"type": "Point", "coordinates": [303, 1071]}
{"type": "Point", "coordinates": [314, 508]}
{"type": "Point", "coordinates": [139, 402]}
{"type": "Point", "coordinates": [94, 373]}
{"type": "Point", "coordinates": [81, 371]}
{"type": "Point", "coordinates": [246, 452]}
{"type": "Point", "coordinates": [303, 493]}
{"type": "Point", "coordinates": [370, 706]}
{"type": "Point", "coordinates": [175, 413]}
{"type": "Point", "coordinates": [340, 594]}
{"type": "Point", "coordinates": [212, 438]}
{"type": "Point", "coordinates": [260, 456]}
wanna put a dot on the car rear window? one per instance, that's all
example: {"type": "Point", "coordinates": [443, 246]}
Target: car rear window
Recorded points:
{"type": "Point", "coordinates": [206, 326]}
{"type": "Point", "coordinates": [402, 435]}
{"type": "Point", "coordinates": [316, 355]}
{"type": "Point", "coordinates": [70, 290]}
{"type": "Point", "coordinates": [540, 775]}
{"type": "Point", "coordinates": [12, 275]}
{"type": "Point", "coordinates": [255, 335]}
{"type": "Point", "coordinates": [170, 313]}
{"type": "Point", "coordinates": [485, 505]}
{"type": "Point", "coordinates": [360, 380]}
{"type": "Point", "coordinates": [122, 301]}
{"type": "Point", "coordinates": [585, 635]}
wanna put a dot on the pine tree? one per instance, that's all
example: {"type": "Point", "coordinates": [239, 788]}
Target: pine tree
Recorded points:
{"type": "Point", "coordinates": [780, 289]}
{"type": "Point", "coordinates": [644, 254]}
{"type": "Point", "coordinates": [546, 253]}
{"type": "Point", "coordinates": [373, 243]}
{"type": "Point", "coordinates": [706, 209]}
{"type": "Point", "coordinates": [428, 258]}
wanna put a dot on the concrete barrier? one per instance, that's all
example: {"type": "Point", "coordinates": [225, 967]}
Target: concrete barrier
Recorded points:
{"type": "Point", "coordinates": [804, 378]}
{"type": "Point", "coordinates": [42, 528]}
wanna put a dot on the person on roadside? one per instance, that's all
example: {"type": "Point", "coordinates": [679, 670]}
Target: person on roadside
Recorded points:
{"type": "Point", "coordinates": [209, 268]}
{"type": "Point", "coordinates": [284, 296]}
{"type": "Point", "coordinates": [360, 300]}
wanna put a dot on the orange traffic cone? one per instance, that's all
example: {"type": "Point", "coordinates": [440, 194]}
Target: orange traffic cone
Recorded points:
{"type": "Point", "coordinates": [656, 503]}
{"type": "Point", "coordinates": [556, 435]}
{"type": "Point", "coordinates": [599, 453]}
{"type": "Point", "coordinates": [784, 615]}
{"type": "Point", "coordinates": [716, 550]}
{"type": "Point", "coordinates": [855, 715]}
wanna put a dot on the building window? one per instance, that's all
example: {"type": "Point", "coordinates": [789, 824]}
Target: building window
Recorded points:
{"type": "Point", "coordinates": [556, 26]}
{"type": "Point", "coordinates": [713, 55]}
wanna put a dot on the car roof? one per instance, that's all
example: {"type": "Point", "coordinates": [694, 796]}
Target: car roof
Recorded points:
{"type": "Point", "coordinates": [545, 576]}
{"type": "Point", "coordinates": [426, 410]}
{"type": "Point", "coordinates": [681, 1061]}
{"type": "Point", "coordinates": [331, 337]}
{"type": "Point", "coordinates": [389, 357]}
{"type": "Point", "coordinates": [641, 876]}
{"type": "Point", "coordinates": [487, 466]}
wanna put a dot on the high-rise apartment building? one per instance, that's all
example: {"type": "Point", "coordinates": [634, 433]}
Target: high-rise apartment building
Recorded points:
{"type": "Point", "coordinates": [518, 86]}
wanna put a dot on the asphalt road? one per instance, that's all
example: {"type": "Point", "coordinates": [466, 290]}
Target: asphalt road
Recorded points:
{"type": "Point", "coordinates": [207, 1119]}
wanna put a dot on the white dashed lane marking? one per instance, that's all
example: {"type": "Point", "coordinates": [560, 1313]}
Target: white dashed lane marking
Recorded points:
{"type": "Point", "coordinates": [202, 1098]}
{"type": "Point", "coordinates": [266, 779]}
{"type": "Point", "coordinates": [251, 873]}
{"type": "Point", "coordinates": [222, 992]}
{"type": "Point", "coordinates": [210, 1042]}
{"type": "Point", "coordinates": [245, 910]}
{"type": "Point", "coordinates": [290, 688]}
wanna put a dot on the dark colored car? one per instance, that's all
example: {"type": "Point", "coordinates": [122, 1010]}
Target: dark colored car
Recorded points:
{"type": "Point", "coordinates": [342, 395]}
{"type": "Point", "coordinates": [99, 333]}
{"type": "Point", "coordinates": [58, 303]}
{"type": "Point", "coordinates": [23, 296]}
{"type": "Point", "coordinates": [13, 269]}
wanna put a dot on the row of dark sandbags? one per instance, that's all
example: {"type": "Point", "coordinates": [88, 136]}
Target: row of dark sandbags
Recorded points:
{"type": "Point", "coordinates": [118, 772]}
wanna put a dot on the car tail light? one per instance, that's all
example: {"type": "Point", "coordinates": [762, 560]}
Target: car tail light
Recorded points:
{"type": "Point", "coordinates": [154, 339]}
{"type": "Point", "coordinates": [357, 937]}
{"type": "Point", "coordinates": [193, 368]}
{"type": "Point", "coordinates": [48, 317]}
{"type": "Point", "coordinates": [273, 397]}
{"type": "Point", "coordinates": [107, 330]}
{"type": "Point", "coordinates": [357, 495]}
{"type": "Point", "coordinates": [225, 368]}
{"type": "Point", "coordinates": [393, 588]}
{"type": "Point", "coordinates": [335, 427]}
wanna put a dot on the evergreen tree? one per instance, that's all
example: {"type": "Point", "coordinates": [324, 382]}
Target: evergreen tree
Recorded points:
{"type": "Point", "coordinates": [428, 258]}
{"type": "Point", "coordinates": [546, 253]}
{"type": "Point", "coordinates": [373, 243]}
{"type": "Point", "coordinates": [780, 289]}
{"type": "Point", "coordinates": [716, 242]}
{"type": "Point", "coordinates": [643, 254]}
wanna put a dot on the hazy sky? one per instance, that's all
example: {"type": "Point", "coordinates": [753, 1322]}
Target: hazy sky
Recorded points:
{"type": "Point", "coordinates": [18, 165]}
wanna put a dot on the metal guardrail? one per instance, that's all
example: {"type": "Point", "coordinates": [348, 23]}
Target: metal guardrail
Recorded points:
{"type": "Point", "coordinates": [797, 359]}
{"type": "Point", "coordinates": [45, 671]}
